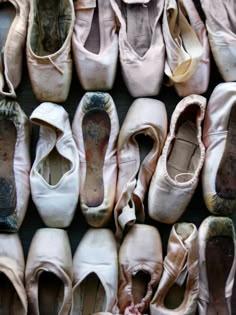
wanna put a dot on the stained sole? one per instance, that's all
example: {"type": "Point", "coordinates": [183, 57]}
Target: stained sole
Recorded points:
{"type": "Point", "coordinates": [96, 128]}
{"type": "Point", "coordinates": [226, 175]}
{"type": "Point", "coordinates": [7, 179]}
{"type": "Point", "coordinates": [219, 260]}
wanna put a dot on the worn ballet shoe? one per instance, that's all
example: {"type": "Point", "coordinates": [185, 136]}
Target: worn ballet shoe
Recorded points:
{"type": "Point", "coordinates": [217, 265]}
{"type": "Point", "coordinates": [218, 175]}
{"type": "Point", "coordinates": [48, 48]}
{"type": "Point", "coordinates": [177, 292]}
{"type": "Point", "coordinates": [178, 168]}
{"type": "Point", "coordinates": [48, 273]}
{"type": "Point", "coordinates": [95, 274]}
{"type": "Point", "coordinates": [95, 44]}
{"type": "Point", "coordinates": [55, 173]}
{"type": "Point", "coordinates": [13, 21]}
{"type": "Point", "coordinates": [95, 129]}
{"type": "Point", "coordinates": [14, 165]}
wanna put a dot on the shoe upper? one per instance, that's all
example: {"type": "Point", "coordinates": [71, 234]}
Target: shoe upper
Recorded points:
{"type": "Point", "coordinates": [11, 110]}
{"type": "Point", "coordinates": [140, 252]}
{"type": "Point", "coordinates": [96, 255]}
{"type": "Point", "coordinates": [220, 24]}
{"type": "Point", "coordinates": [180, 266]}
{"type": "Point", "coordinates": [101, 59]}
{"type": "Point", "coordinates": [178, 168]}
{"type": "Point", "coordinates": [57, 177]}
{"type": "Point", "coordinates": [214, 227]}
{"type": "Point", "coordinates": [12, 51]}
{"type": "Point", "coordinates": [49, 57]}
{"type": "Point", "coordinates": [187, 50]}
{"type": "Point", "coordinates": [100, 214]}
{"type": "Point", "coordinates": [49, 252]}
{"type": "Point", "coordinates": [141, 45]}
{"type": "Point", "coordinates": [215, 133]}
{"type": "Point", "coordinates": [12, 265]}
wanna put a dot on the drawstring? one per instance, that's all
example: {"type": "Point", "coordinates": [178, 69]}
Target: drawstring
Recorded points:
{"type": "Point", "coordinates": [56, 66]}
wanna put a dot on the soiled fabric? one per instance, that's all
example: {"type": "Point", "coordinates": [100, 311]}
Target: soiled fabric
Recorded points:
{"type": "Point", "coordinates": [178, 168]}
{"type": "Point", "coordinates": [215, 135]}
{"type": "Point", "coordinates": [95, 44]}
{"type": "Point", "coordinates": [141, 45]}
{"type": "Point", "coordinates": [13, 48]}
{"type": "Point", "coordinates": [49, 254]}
{"type": "Point", "coordinates": [187, 50]}
{"type": "Point", "coordinates": [220, 24]}
{"type": "Point", "coordinates": [55, 173]}
{"type": "Point", "coordinates": [145, 117]}
{"type": "Point", "coordinates": [180, 269]}
{"type": "Point", "coordinates": [215, 227]}
{"type": "Point", "coordinates": [48, 49]}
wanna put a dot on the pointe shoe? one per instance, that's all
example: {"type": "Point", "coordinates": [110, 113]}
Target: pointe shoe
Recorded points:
{"type": "Point", "coordinates": [12, 269]}
{"type": "Point", "coordinates": [95, 129]}
{"type": "Point", "coordinates": [220, 24]}
{"type": "Point", "coordinates": [146, 117]}
{"type": "Point", "coordinates": [217, 265]}
{"type": "Point", "coordinates": [14, 165]}
{"type": "Point", "coordinates": [48, 273]}
{"type": "Point", "coordinates": [218, 174]}
{"type": "Point", "coordinates": [140, 266]}
{"type": "Point", "coordinates": [12, 42]}
{"type": "Point", "coordinates": [187, 49]}
{"type": "Point", "coordinates": [177, 292]}
{"type": "Point", "coordinates": [141, 45]}
{"type": "Point", "coordinates": [95, 274]}
{"type": "Point", "coordinates": [48, 49]}
{"type": "Point", "coordinates": [54, 177]}
{"type": "Point", "coordinates": [178, 168]}
{"type": "Point", "coordinates": [95, 44]}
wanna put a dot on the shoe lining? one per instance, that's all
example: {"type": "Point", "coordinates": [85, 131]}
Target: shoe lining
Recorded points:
{"type": "Point", "coordinates": [219, 259]}
{"type": "Point", "coordinates": [54, 167]}
{"type": "Point", "coordinates": [139, 286]}
{"type": "Point", "coordinates": [175, 296]}
{"type": "Point", "coordinates": [90, 297]}
{"type": "Point", "coordinates": [7, 179]}
{"type": "Point", "coordinates": [184, 155]}
{"type": "Point", "coordinates": [51, 26]}
{"type": "Point", "coordinates": [50, 294]}
{"type": "Point", "coordinates": [96, 128]}
{"type": "Point", "coordinates": [10, 303]}
{"type": "Point", "coordinates": [145, 144]}
{"type": "Point", "coordinates": [226, 174]}
{"type": "Point", "coordinates": [92, 43]}
{"type": "Point", "coordinates": [140, 19]}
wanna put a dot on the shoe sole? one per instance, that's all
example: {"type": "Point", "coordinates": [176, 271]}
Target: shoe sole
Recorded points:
{"type": "Point", "coordinates": [96, 128]}
{"type": "Point", "coordinates": [7, 179]}
{"type": "Point", "coordinates": [219, 260]}
{"type": "Point", "coordinates": [226, 175]}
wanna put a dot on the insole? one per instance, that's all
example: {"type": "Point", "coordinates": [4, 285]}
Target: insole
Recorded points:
{"type": "Point", "coordinates": [48, 22]}
{"type": "Point", "coordinates": [7, 179]}
{"type": "Point", "coordinates": [92, 295]}
{"type": "Point", "coordinates": [92, 43]}
{"type": "Point", "coordinates": [226, 174]}
{"type": "Point", "coordinates": [174, 296]}
{"type": "Point", "coordinates": [219, 259]}
{"type": "Point", "coordinates": [7, 296]}
{"type": "Point", "coordinates": [145, 144]}
{"type": "Point", "coordinates": [50, 294]}
{"type": "Point", "coordinates": [58, 166]}
{"type": "Point", "coordinates": [7, 15]}
{"type": "Point", "coordinates": [96, 128]}
{"type": "Point", "coordinates": [185, 153]}
{"type": "Point", "coordinates": [139, 286]}
{"type": "Point", "coordinates": [139, 21]}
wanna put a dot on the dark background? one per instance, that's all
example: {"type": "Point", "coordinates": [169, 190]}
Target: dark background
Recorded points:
{"type": "Point", "coordinates": [196, 210]}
